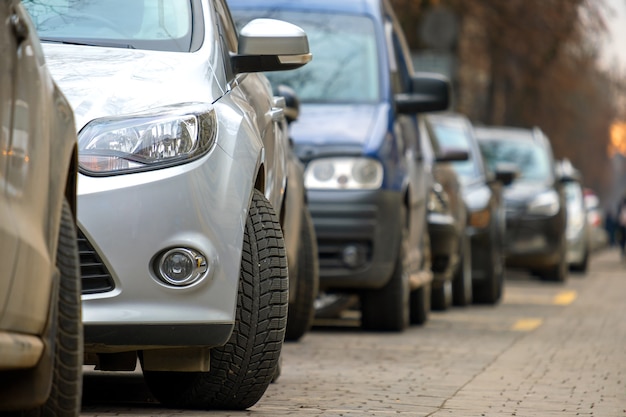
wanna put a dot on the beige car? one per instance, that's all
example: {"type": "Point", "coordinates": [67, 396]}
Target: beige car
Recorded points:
{"type": "Point", "coordinates": [40, 309]}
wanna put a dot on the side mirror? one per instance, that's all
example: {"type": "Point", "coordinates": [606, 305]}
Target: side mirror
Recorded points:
{"type": "Point", "coordinates": [452, 155]}
{"type": "Point", "coordinates": [270, 45]}
{"type": "Point", "coordinates": [505, 173]}
{"type": "Point", "coordinates": [429, 92]}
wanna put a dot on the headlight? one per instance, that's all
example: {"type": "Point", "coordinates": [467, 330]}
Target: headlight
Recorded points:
{"type": "Point", "coordinates": [438, 201]}
{"type": "Point", "coordinates": [343, 173]}
{"type": "Point", "coordinates": [163, 137]}
{"type": "Point", "coordinates": [546, 204]}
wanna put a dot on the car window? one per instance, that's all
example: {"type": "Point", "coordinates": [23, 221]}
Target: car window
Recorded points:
{"type": "Point", "coordinates": [346, 65]}
{"type": "Point", "coordinates": [144, 24]}
{"type": "Point", "coordinates": [531, 159]}
{"type": "Point", "coordinates": [455, 137]}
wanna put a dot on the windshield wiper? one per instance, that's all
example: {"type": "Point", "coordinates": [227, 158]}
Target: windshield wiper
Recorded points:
{"type": "Point", "coordinates": [85, 43]}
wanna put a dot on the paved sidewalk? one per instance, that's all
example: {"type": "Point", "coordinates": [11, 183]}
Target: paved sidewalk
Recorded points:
{"type": "Point", "coordinates": [574, 364]}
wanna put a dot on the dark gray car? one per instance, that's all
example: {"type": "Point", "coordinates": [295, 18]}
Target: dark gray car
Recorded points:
{"type": "Point", "coordinates": [535, 201]}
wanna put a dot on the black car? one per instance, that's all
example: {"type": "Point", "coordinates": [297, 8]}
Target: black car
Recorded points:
{"type": "Point", "coordinates": [447, 221]}
{"type": "Point", "coordinates": [535, 201]}
{"type": "Point", "coordinates": [482, 196]}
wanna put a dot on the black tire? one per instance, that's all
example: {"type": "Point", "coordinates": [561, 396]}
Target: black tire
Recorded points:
{"type": "Point", "coordinates": [242, 369]}
{"type": "Point", "coordinates": [490, 290]}
{"type": "Point", "coordinates": [388, 308]}
{"type": "Point", "coordinates": [420, 305]}
{"type": "Point", "coordinates": [581, 267]}
{"type": "Point", "coordinates": [420, 298]}
{"type": "Point", "coordinates": [462, 294]}
{"type": "Point", "coordinates": [441, 296]}
{"type": "Point", "coordinates": [67, 380]}
{"type": "Point", "coordinates": [558, 272]}
{"type": "Point", "coordinates": [302, 310]}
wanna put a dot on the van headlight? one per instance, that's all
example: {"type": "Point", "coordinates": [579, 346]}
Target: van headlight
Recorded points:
{"type": "Point", "coordinates": [144, 141]}
{"type": "Point", "coordinates": [545, 204]}
{"type": "Point", "coordinates": [343, 173]}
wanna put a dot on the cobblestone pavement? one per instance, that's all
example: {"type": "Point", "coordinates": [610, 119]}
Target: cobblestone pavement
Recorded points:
{"type": "Point", "coordinates": [547, 350]}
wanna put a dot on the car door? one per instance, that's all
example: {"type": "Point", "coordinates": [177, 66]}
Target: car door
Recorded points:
{"type": "Point", "coordinates": [407, 129]}
{"type": "Point", "coordinates": [8, 235]}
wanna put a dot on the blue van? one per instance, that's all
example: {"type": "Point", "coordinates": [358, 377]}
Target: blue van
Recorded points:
{"type": "Point", "coordinates": [357, 134]}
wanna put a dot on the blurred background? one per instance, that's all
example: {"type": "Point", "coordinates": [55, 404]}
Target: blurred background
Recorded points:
{"type": "Point", "coordinates": [558, 64]}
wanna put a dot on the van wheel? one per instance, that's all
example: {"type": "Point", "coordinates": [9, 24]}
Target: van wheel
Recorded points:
{"type": "Point", "coordinates": [242, 369]}
{"type": "Point", "coordinates": [67, 380]}
{"type": "Point", "coordinates": [462, 281]}
{"type": "Point", "coordinates": [302, 310]}
{"type": "Point", "coordinates": [388, 308]}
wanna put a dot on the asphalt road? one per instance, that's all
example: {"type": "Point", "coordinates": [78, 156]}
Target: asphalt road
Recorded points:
{"type": "Point", "coordinates": [546, 350]}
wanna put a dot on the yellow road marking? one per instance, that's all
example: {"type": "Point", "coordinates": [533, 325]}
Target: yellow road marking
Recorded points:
{"type": "Point", "coordinates": [526, 325]}
{"type": "Point", "coordinates": [564, 298]}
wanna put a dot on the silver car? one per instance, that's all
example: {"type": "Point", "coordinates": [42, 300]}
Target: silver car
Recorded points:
{"type": "Point", "coordinates": [183, 169]}
{"type": "Point", "coordinates": [41, 341]}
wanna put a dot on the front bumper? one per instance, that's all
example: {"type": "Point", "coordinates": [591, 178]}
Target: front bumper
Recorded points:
{"type": "Point", "coordinates": [358, 236]}
{"type": "Point", "coordinates": [534, 241]}
{"type": "Point", "coordinates": [444, 245]}
{"type": "Point", "coordinates": [128, 219]}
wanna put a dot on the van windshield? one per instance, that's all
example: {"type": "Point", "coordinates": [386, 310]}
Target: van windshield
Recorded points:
{"type": "Point", "coordinates": [345, 66]}
{"type": "Point", "coordinates": [164, 25]}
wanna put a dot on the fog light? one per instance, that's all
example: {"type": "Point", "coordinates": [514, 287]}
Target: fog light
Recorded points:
{"type": "Point", "coordinates": [180, 266]}
{"type": "Point", "coordinates": [353, 256]}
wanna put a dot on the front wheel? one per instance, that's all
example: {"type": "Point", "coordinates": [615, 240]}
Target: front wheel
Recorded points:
{"type": "Point", "coordinates": [302, 310]}
{"type": "Point", "coordinates": [388, 308]}
{"type": "Point", "coordinates": [462, 281]}
{"type": "Point", "coordinates": [65, 395]}
{"type": "Point", "coordinates": [490, 290]}
{"type": "Point", "coordinates": [242, 369]}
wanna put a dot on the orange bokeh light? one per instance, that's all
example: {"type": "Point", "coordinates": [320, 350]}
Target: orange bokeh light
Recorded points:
{"type": "Point", "coordinates": [618, 139]}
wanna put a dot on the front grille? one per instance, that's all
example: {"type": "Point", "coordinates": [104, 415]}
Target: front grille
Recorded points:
{"type": "Point", "coordinates": [94, 274]}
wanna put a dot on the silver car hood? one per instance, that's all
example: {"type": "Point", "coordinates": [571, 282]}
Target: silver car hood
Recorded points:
{"type": "Point", "coordinates": [101, 82]}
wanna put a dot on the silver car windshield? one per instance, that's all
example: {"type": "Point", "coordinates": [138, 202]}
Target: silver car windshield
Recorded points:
{"type": "Point", "coordinates": [530, 159]}
{"type": "Point", "coordinates": [345, 66]}
{"type": "Point", "coordinates": [164, 25]}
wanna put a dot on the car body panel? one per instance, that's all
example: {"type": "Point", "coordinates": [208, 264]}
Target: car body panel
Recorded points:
{"type": "Point", "coordinates": [128, 220]}
{"type": "Point", "coordinates": [33, 205]}
{"type": "Point", "coordinates": [364, 222]}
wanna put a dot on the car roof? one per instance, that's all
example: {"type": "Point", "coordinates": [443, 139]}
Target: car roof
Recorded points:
{"type": "Point", "coordinates": [369, 7]}
{"type": "Point", "coordinates": [509, 133]}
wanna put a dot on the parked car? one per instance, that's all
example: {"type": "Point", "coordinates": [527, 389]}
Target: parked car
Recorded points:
{"type": "Point", "coordinates": [182, 180]}
{"type": "Point", "coordinates": [535, 201]}
{"type": "Point", "coordinates": [299, 232]}
{"type": "Point", "coordinates": [578, 230]}
{"type": "Point", "coordinates": [41, 333]}
{"type": "Point", "coordinates": [598, 221]}
{"type": "Point", "coordinates": [482, 196]}
{"type": "Point", "coordinates": [447, 223]}
{"type": "Point", "coordinates": [357, 135]}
